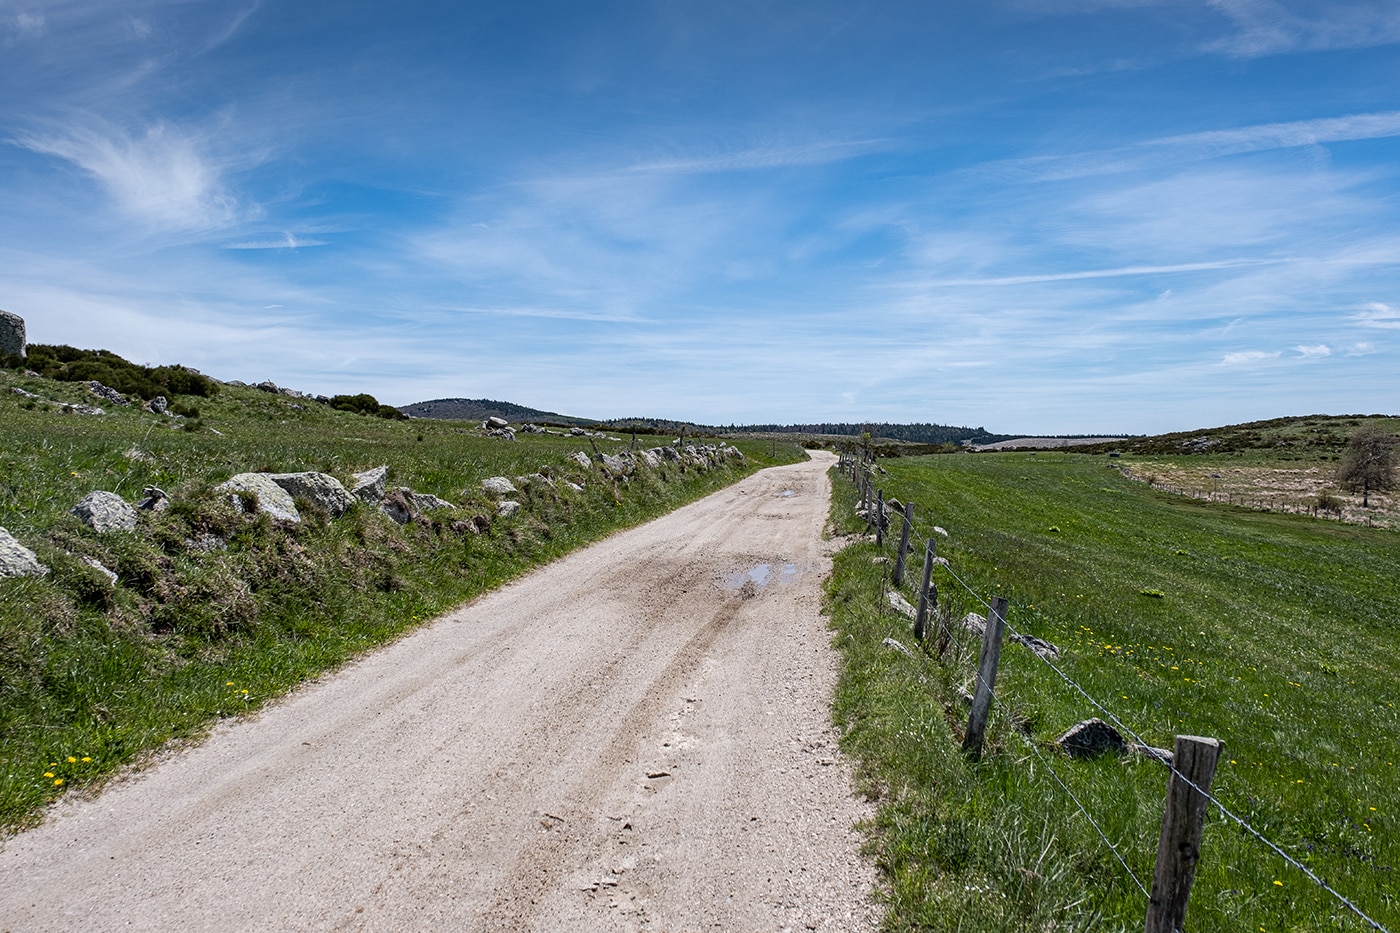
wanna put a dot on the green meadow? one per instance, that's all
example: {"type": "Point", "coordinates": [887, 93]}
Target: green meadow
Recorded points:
{"type": "Point", "coordinates": [1277, 634]}
{"type": "Point", "coordinates": [215, 612]}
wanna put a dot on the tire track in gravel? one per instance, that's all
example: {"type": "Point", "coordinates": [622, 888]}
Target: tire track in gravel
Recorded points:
{"type": "Point", "coordinates": [635, 737]}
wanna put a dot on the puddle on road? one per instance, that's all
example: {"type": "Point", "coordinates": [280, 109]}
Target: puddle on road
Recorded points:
{"type": "Point", "coordinates": [786, 494]}
{"type": "Point", "coordinates": [761, 575]}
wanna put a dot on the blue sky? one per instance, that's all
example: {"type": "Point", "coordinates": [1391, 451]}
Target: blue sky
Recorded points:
{"type": "Point", "coordinates": [1035, 215]}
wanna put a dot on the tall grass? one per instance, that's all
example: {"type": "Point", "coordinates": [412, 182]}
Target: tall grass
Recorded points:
{"type": "Point", "coordinates": [1275, 634]}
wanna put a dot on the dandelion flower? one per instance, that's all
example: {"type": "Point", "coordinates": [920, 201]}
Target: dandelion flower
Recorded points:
{"type": "Point", "coordinates": [58, 782]}
{"type": "Point", "coordinates": [48, 774]}
{"type": "Point", "coordinates": [72, 760]}
{"type": "Point", "coordinates": [1279, 883]}
{"type": "Point", "coordinates": [86, 760]}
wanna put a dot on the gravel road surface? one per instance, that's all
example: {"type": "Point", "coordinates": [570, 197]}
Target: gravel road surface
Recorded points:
{"type": "Point", "coordinates": [635, 737]}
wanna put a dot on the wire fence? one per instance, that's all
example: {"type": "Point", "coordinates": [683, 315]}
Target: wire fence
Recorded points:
{"type": "Point", "coordinates": [869, 508]}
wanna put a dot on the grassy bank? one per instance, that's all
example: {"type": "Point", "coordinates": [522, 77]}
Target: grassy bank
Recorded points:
{"type": "Point", "coordinates": [1274, 633]}
{"type": "Point", "coordinates": [214, 612]}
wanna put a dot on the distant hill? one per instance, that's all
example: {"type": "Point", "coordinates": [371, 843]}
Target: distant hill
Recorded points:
{"type": "Point", "coordinates": [479, 409]}
{"type": "Point", "coordinates": [921, 433]}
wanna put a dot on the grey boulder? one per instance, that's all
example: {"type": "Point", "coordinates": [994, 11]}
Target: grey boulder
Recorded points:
{"type": "Point", "coordinates": [498, 486]}
{"type": "Point", "coordinates": [507, 508]}
{"type": "Point", "coordinates": [370, 485]}
{"type": "Point", "coordinates": [16, 560]}
{"type": "Point", "coordinates": [1091, 739]}
{"type": "Point", "coordinates": [11, 333]}
{"type": "Point", "coordinates": [322, 489]}
{"type": "Point", "coordinates": [272, 498]}
{"type": "Point", "coordinates": [105, 511]}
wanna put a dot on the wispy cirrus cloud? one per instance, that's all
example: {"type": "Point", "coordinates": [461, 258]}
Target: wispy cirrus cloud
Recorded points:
{"type": "Point", "coordinates": [1315, 351]}
{"type": "Point", "coordinates": [1123, 272]}
{"type": "Point", "coordinates": [1247, 357]}
{"type": "Point", "coordinates": [1166, 151]}
{"type": "Point", "coordinates": [1268, 27]}
{"type": "Point", "coordinates": [287, 241]}
{"type": "Point", "coordinates": [1378, 314]}
{"type": "Point", "coordinates": [758, 159]}
{"type": "Point", "coordinates": [162, 174]}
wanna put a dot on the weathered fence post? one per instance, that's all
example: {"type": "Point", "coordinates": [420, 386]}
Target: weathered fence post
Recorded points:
{"type": "Point", "coordinates": [922, 616]}
{"type": "Point", "coordinates": [880, 518]}
{"type": "Point", "coordinates": [904, 529]}
{"type": "Point", "coordinates": [1179, 848]}
{"type": "Point", "coordinates": [986, 678]}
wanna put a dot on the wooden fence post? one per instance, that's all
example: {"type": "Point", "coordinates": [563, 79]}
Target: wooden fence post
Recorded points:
{"type": "Point", "coordinates": [922, 616]}
{"type": "Point", "coordinates": [904, 529]}
{"type": "Point", "coordinates": [986, 678]}
{"type": "Point", "coordinates": [1179, 848]}
{"type": "Point", "coordinates": [880, 518]}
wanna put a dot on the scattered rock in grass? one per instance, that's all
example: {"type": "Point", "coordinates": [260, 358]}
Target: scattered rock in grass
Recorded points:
{"type": "Point", "coordinates": [901, 605]}
{"type": "Point", "coordinates": [158, 405]}
{"type": "Point", "coordinates": [271, 498]}
{"type": "Point", "coordinates": [539, 479]}
{"type": "Point", "coordinates": [495, 422]}
{"type": "Point", "coordinates": [11, 334]}
{"type": "Point", "coordinates": [16, 560]}
{"type": "Point", "coordinates": [106, 392]}
{"type": "Point", "coordinates": [426, 501]}
{"type": "Point", "coordinates": [975, 623]}
{"type": "Point", "coordinates": [153, 499]}
{"type": "Point", "coordinates": [463, 527]}
{"type": "Point", "coordinates": [369, 486]}
{"type": "Point", "coordinates": [574, 486]}
{"type": "Point", "coordinates": [507, 508]}
{"type": "Point", "coordinates": [891, 643]}
{"type": "Point", "coordinates": [581, 458]}
{"type": "Point", "coordinates": [1039, 645]}
{"type": "Point", "coordinates": [18, 391]}
{"type": "Point", "coordinates": [1092, 738]}
{"type": "Point", "coordinates": [619, 466]}
{"type": "Point", "coordinates": [77, 408]}
{"type": "Point", "coordinates": [651, 458]}
{"type": "Point", "coordinates": [498, 486]}
{"type": "Point", "coordinates": [322, 489]}
{"type": "Point", "coordinates": [1163, 755]}
{"type": "Point", "coordinates": [397, 506]}
{"type": "Point", "coordinates": [97, 565]}
{"type": "Point", "coordinates": [105, 511]}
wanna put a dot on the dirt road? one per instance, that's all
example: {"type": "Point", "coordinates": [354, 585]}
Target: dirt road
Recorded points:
{"type": "Point", "coordinates": [635, 737]}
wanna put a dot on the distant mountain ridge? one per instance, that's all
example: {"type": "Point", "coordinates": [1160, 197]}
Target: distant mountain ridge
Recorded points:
{"type": "Point", "coordinates": [479, 409]}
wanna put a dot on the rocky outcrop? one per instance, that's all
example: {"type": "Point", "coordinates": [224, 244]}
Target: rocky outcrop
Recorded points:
{"type": "Point", "coordinates": [106, 392]}
{"type": "Point", "coordinates": [105, 511]}
{"type": "Point", "coordinates": [426, 501]}
{"type": "Point", "coordinates": [12, 334]}
{"type": "Point", "coordinates": [507, 508]}
{"type": "Point", "coordinates": [16, 560]}
{"type": "Point", "coordinates": [581, 459]}
{"type": "Point", "coordinates": [158, 405]}
{"type": "Point", "coordinates": [271, 498]}
{"type": "Point", "coordinates": [321, 489]}
{"type": "Point", "coordinates": [369, 486]}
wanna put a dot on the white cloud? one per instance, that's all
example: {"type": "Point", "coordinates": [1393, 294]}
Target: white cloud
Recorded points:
{"type": "Point", "coordinates": [1245, 357]}
{"type": "Point", "coordinates": [1125, 271]}
{"type": "Point", "coordinates": [764, 158]}
{"type": "Point", "coordinates": [287, 241]}
{"type": "Point", "coordinates": [1268, 27]}
{"type": "Point", "coordinates": [1314, 352]}
{"type": "Point", "coordinates": [1378, 314]}
{"type": "Point", "coordinates": [161, 175]}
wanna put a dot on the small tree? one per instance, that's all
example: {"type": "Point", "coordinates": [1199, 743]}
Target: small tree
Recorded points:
{"type": "Point", "coordinates": [1369, 462]}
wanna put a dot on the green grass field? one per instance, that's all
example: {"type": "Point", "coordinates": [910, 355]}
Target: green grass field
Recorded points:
{"type": "Point", "coordinates": [1275, 633]}
{"type": "Point", "coordinates": [95, 676]}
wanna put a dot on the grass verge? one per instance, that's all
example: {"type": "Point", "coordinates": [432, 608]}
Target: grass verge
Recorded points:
{"type": "Point", "coordinates": [1273, 633]}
